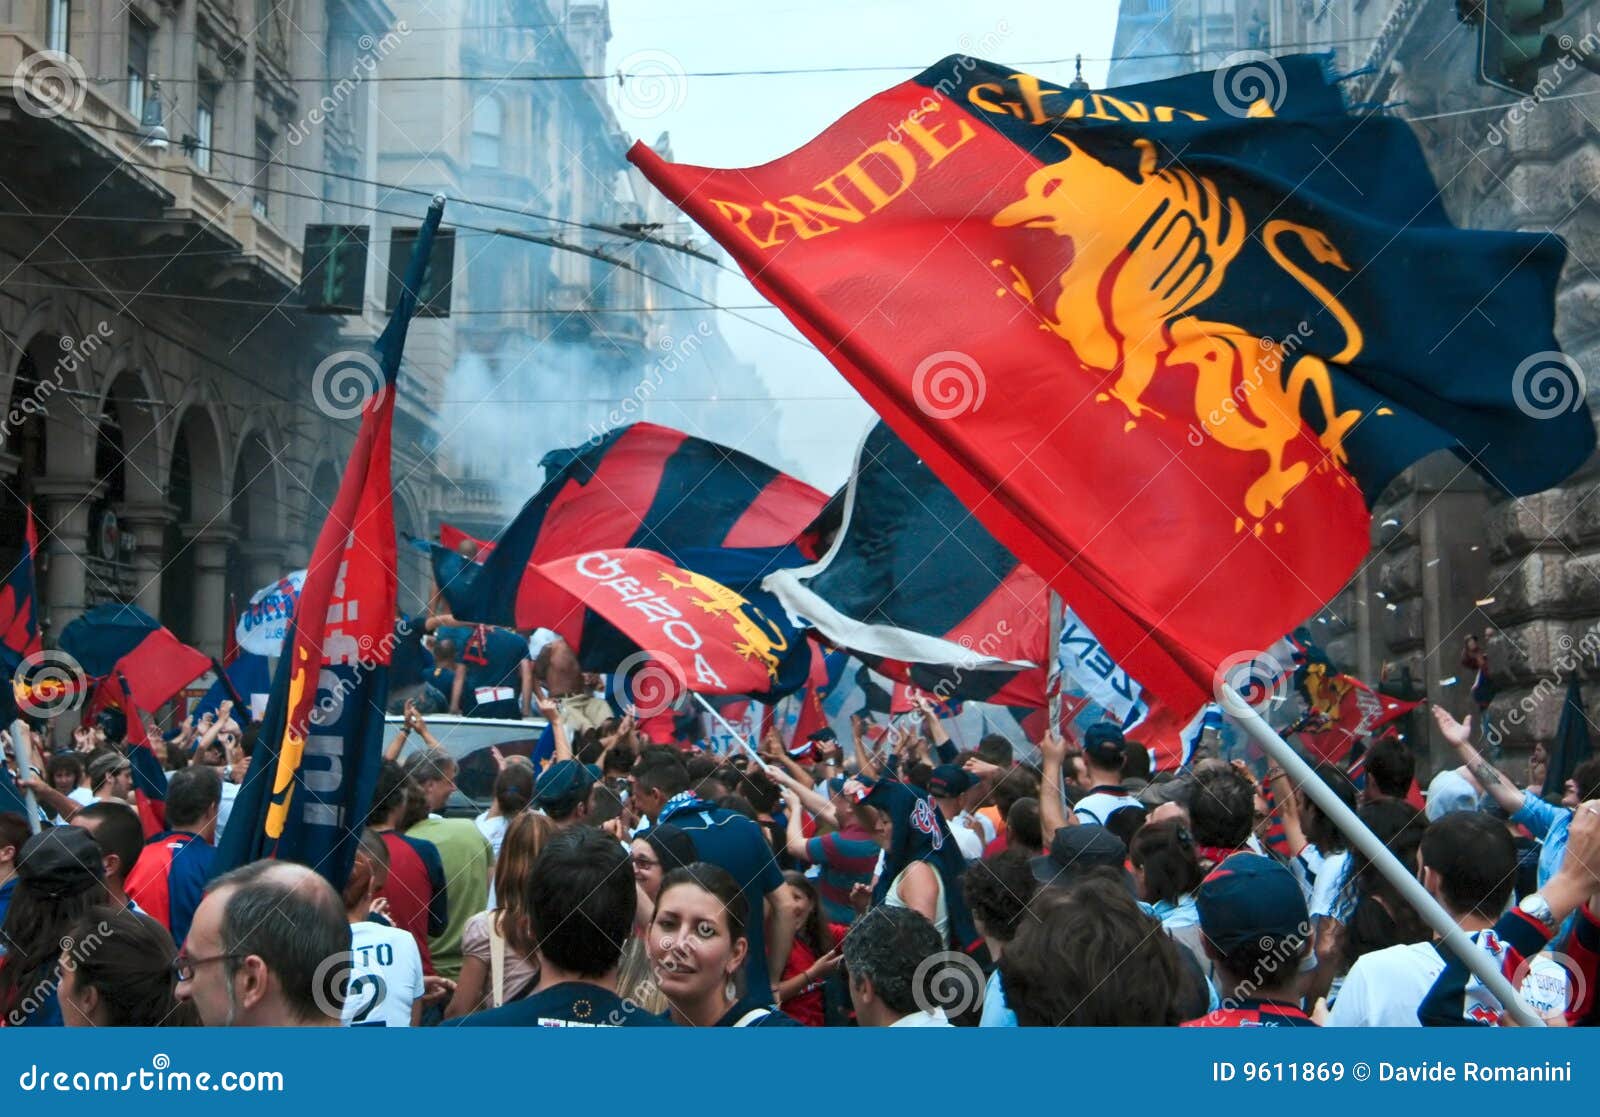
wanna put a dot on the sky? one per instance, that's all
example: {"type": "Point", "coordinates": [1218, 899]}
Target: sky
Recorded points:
{"type": "Point", "coordinates": [747, 120]}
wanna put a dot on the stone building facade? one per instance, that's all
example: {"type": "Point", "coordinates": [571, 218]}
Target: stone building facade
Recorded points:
{"type": "Point", "coordinates": [1450, 555]}
{"type": "Point", "coordinates": [158, 372]}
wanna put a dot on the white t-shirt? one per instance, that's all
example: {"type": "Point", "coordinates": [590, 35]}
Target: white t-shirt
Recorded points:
{"type": "Point", "coordinates": [492, 829]}
{"type": "Point", "coordinates": [1097, 806]}
{"type": "Point", "coordinates": [1327, 891]}
{"type": "Point", "coordinates": [1385, 989]}
{"type": "Point", "coordinates": [230, 792]}
{"type": "Point", "coordinates": [989, 832]}
{"type": "Point", "coordinates": [968, 841]}
{"type": "Point", "coordinates": [81, 796]}
{"type": "Point", "coordinates": [385, 977]}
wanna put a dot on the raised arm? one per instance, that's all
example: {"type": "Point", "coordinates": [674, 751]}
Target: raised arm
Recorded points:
{"type": "Point", "coordinates": [1052, 809]}
{"type": "Point", "coordinates": [1459, 735]}
{"type": "Point", "coordinates": [865, 765]}
{"type": "Point", "coordinates": [551, 712]}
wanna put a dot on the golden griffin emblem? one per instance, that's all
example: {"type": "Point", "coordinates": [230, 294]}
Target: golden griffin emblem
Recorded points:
{"type": "Point", "coordinates": [1145, 254]}
{"type": "Point", "coordinates": [758, 637]}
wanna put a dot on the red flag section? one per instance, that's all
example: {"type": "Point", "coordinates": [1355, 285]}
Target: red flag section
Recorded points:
{"type": "Point", "coordinates": [711, 638]}
{"type": "Point", "coordinates": [909, 243]}
{"type": "Point", "coordinates": [451, 538]}
{"type": "Point", "coordinates": [160, 667]}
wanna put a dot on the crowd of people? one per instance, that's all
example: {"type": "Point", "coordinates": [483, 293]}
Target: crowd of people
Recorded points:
{"type": "Point", "coordinates": [894, 880]}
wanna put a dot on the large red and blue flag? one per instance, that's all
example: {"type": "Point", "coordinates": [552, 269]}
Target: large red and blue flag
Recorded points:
{"type": "Point", "coordinates": [320, 745]}
{"type": "Point", "coordinates": [1168, 347]}
{"type": "Point", "coordinates": [637, 486]}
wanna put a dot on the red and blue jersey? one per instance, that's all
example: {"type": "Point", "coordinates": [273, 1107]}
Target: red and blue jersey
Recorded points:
{"type": "Point", "coordinates": [1254, 1014]}
{"type": "Point", "coordinates": [169, 879]}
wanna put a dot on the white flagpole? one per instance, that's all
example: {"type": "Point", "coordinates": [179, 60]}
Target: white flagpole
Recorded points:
{"type": "Point", "coordinates": [20, 744]}
{"type": "Point", "coordinates": [1053, 681]}
{"type": "Point", "coordinates": [735, 734]}
{"type": "Point", "coordinates": [1363, 839]}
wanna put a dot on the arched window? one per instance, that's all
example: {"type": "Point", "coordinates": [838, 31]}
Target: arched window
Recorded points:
{"type": "Point", "coordinates": [486, 127]}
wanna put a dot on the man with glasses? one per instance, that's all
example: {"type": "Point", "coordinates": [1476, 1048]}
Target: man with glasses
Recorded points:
{"type": "Point", "coordinates": [257, 949]}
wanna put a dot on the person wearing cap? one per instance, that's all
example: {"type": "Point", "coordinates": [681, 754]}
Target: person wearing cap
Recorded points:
{"type": "Point", "coordinates": [1075, 851]}
{"type": "Point", "coordinates": [948, 786]}
{"type": "Point", "coordinates": [1256, 931]}
{"type": "Point", "coordinates": [1105, 754]}
{"type": "Point", "coordinates": [562, 793]}
{"type": "Point", "coordinates": [59, 878]}
{"type": "Point", "coordinates": [111, 777]}
{"type": "Point", "coordinates": [846, 857]}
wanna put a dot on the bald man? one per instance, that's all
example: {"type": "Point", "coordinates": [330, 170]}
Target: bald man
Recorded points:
{"type": "Point", "coordinates": [257, 944]}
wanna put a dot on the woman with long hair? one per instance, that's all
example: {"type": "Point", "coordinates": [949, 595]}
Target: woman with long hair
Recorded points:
{"type": "Point", "coordinates": [1380, 916]}
{"type": "Point", "coordinates": [498, 961]}
{"type": "Point", "coordinates": [698, 946]}
{"type": "Point", "coordinates": [813, 955]}
{"type": "Point", "coordinates": [60, 876]}
{"type": "Point", "coordinates": [117, 973]}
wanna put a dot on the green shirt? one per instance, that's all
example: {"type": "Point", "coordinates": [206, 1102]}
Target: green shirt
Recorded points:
{"type": "Point", "coordinates": [468, 862]}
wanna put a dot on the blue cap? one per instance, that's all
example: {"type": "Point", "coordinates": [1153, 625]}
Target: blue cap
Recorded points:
{"type": "Point", "coordinates": [1250, 897]}
{"type": "Point", "coordinates": [1104, 745]}
{"type": "Point", "coordinates": [563, 782]}
{"type": "Point", "coordinates": [950, 780]}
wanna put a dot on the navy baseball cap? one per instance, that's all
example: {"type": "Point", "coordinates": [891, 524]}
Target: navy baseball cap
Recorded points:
{"type": "Point", "coordinates": [1074, 850]}
{"type": "Point", "coordinates": [950, 780]}
{"type": "Point", "coordinates": [1250, 897]}
{"type": "Point", "coordinates": [562, 782]}
{"type": "Point", "coordinates": [1104, 745]}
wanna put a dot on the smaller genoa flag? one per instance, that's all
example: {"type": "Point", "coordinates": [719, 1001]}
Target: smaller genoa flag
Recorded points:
{"type": "Point", "coordinates": [320, 745]}
{"type": "Point", "coordinates": [714, 637]}
{"type": "Point", "coordinates": [638, 486]}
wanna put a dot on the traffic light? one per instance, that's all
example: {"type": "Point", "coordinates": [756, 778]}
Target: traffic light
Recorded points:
{"type": "Point", "coordinates": [433, 301]}
{"type": "Point", "coordinates": [1512, 44]}
{"type": "Point", "coordinates": [333, 275]}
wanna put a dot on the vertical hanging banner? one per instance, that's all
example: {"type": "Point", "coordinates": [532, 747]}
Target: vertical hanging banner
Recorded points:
{"type": "Point", "coordinates": [320, 746]}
